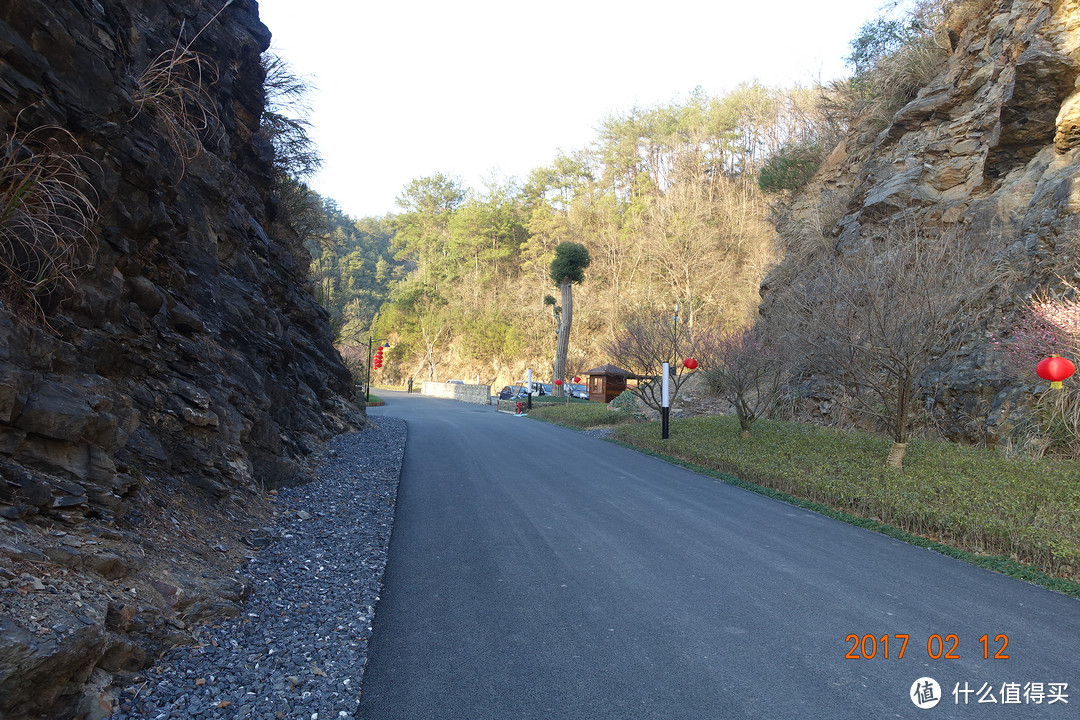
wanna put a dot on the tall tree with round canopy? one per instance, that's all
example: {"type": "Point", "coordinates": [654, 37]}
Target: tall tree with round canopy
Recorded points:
{"type": "Point", "coordinates": [567, 268]}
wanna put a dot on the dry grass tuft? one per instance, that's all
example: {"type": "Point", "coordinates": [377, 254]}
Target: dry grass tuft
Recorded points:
{"type": "Point", "coordinates": [46, 215]}
{"type": "Point", "coordinates": [963, 13]}
{"type": "Point", "coordinates": [912, 69]}
{"type": "Point", "coordinates": [868, 104]}
{"type": "Point", "coordinates": [173, 88]}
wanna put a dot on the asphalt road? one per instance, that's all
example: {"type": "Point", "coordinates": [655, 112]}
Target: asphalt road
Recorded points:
{"type": "Point", "coordinates": [535, 572]}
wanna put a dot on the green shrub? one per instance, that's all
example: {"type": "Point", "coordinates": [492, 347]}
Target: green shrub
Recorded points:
{"type": "Point", "coordinates": [791, 168]}
{"type": "Point", "coordinates": [626, 406]}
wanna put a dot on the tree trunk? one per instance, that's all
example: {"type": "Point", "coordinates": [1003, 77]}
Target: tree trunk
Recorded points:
{"type": "Point", "coordinates": [896, 455]}
{"type": "Point", "coordinates": [563, 345]}
{"type": "Point", "coordinates": [899, 446]}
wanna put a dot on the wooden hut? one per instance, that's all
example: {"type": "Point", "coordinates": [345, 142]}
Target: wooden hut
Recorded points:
{"type": "Point", "coordinates": [607, 382]}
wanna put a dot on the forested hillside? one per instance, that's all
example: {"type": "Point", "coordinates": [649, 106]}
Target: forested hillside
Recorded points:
{"type": "Point", "coordinates": [666, 200]}
{"type": "Point", "coordinates": [901, 240]}
{"type": "Point", "coordinates": [352, 268]}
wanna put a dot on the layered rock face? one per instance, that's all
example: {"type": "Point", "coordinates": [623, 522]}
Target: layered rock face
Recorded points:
{"type": "Point", "coordinates": [190, 364]}
{"type": "Point", "coordinates": [991, 144]}
{"type": "Point", "coordinates": [192, 348]}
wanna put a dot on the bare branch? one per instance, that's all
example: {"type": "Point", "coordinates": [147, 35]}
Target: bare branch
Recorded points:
{"type": "Point", "coordinates": [878, 320]}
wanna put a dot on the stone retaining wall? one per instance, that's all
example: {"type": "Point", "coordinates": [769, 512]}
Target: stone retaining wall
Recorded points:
{"type": "Point", "coordinates": [479, 394]}
{"type": "Point", "coordinates": [510, 406]}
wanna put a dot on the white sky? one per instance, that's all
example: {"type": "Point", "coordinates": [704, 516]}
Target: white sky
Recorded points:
{"type": "Point", "coordinates": [482, 88]}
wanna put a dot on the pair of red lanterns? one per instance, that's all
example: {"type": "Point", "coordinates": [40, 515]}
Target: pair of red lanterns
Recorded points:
{"type": "Point", "coordinates": [559, 382]}
{"type": "Point", "coordinates": [1055, 369]}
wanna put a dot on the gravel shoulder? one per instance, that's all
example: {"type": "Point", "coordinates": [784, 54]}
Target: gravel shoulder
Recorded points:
{"type": "Point", "coordinates": [299, 648]}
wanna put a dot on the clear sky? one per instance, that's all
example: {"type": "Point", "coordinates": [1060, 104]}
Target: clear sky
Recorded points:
{"type": "Point", "coordinates": [495, 88]}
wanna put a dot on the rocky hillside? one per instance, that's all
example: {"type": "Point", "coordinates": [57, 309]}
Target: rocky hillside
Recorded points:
{"type": "Point", "coordinates": [990, 144]}
{"type": "Point", "coordinates": [173, 367]}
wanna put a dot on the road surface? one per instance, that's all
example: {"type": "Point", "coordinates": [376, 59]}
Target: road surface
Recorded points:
{"type": "Point", "coordinates": [535, 572]}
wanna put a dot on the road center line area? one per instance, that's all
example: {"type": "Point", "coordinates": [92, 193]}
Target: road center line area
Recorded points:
{"type": "Point", "coordinates": [536, 572]}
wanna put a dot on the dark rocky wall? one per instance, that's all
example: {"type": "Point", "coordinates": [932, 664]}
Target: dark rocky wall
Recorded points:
{"type": "Point", "coordinates": [191, 360]}
{"type": "Point", "coordinates": [192, 347]}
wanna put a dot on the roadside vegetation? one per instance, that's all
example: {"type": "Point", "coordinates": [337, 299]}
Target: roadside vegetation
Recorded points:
{"type": "Point", "coordinates": [1017, 516]}
{"type": "Point", "coordinates": [578, 413]}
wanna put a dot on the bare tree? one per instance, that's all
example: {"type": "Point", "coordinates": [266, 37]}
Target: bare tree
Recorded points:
{"type": "Point", "coordinates": [649, 338]}
{"type": "Point", "coordinates": [877, 320]}
{"type": "Point", "coordinates": [707, 245]}
{"type": "Point", "coordinates": [744, 368]}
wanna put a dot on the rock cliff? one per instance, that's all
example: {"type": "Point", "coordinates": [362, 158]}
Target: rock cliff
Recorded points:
{"type": "Point", "coordinates": [175, 369]}
{"type": "Point", "coordinates": [992, 143]}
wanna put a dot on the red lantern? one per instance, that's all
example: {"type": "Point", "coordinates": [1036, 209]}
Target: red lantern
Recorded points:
{"type": "Point", "coordinates": [689, 363]}
{"type": "Point", "coordinates": [558, 382]}
{"type": "Point", "coordinates": [577, 379]}
{"type": "Point", "coordinates": [1055, 369]}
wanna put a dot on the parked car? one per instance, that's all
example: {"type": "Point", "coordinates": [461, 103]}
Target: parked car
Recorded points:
{"type": "Point", "coordinates": [536, 389]}
{"type": "Point", "coordinates": [455, 382]}
{"type": "Point", "coordinates": [578, 390]}
{"type": "Point", "coordinates": [512, 392]}
{"type": "Point", "coordinates": [546, 389]}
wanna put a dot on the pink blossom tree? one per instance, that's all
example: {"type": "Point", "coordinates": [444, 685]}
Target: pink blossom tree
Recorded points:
{"type": "Point", "coordinates": [1045, 326]}
{"type": "Point", "coordinates": [1048, 325]}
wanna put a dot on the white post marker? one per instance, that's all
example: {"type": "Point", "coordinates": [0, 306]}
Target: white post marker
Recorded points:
{"type": "Point", "coordinates": [528, 387]}
{"type": "Point", "coordinates": [664, 393]}
{"type": "Point", "coordinates": [665, 403]}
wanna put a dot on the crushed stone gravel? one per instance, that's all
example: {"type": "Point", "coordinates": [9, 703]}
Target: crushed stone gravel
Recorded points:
{"type": "Point", "coordinates": [299, 648]}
